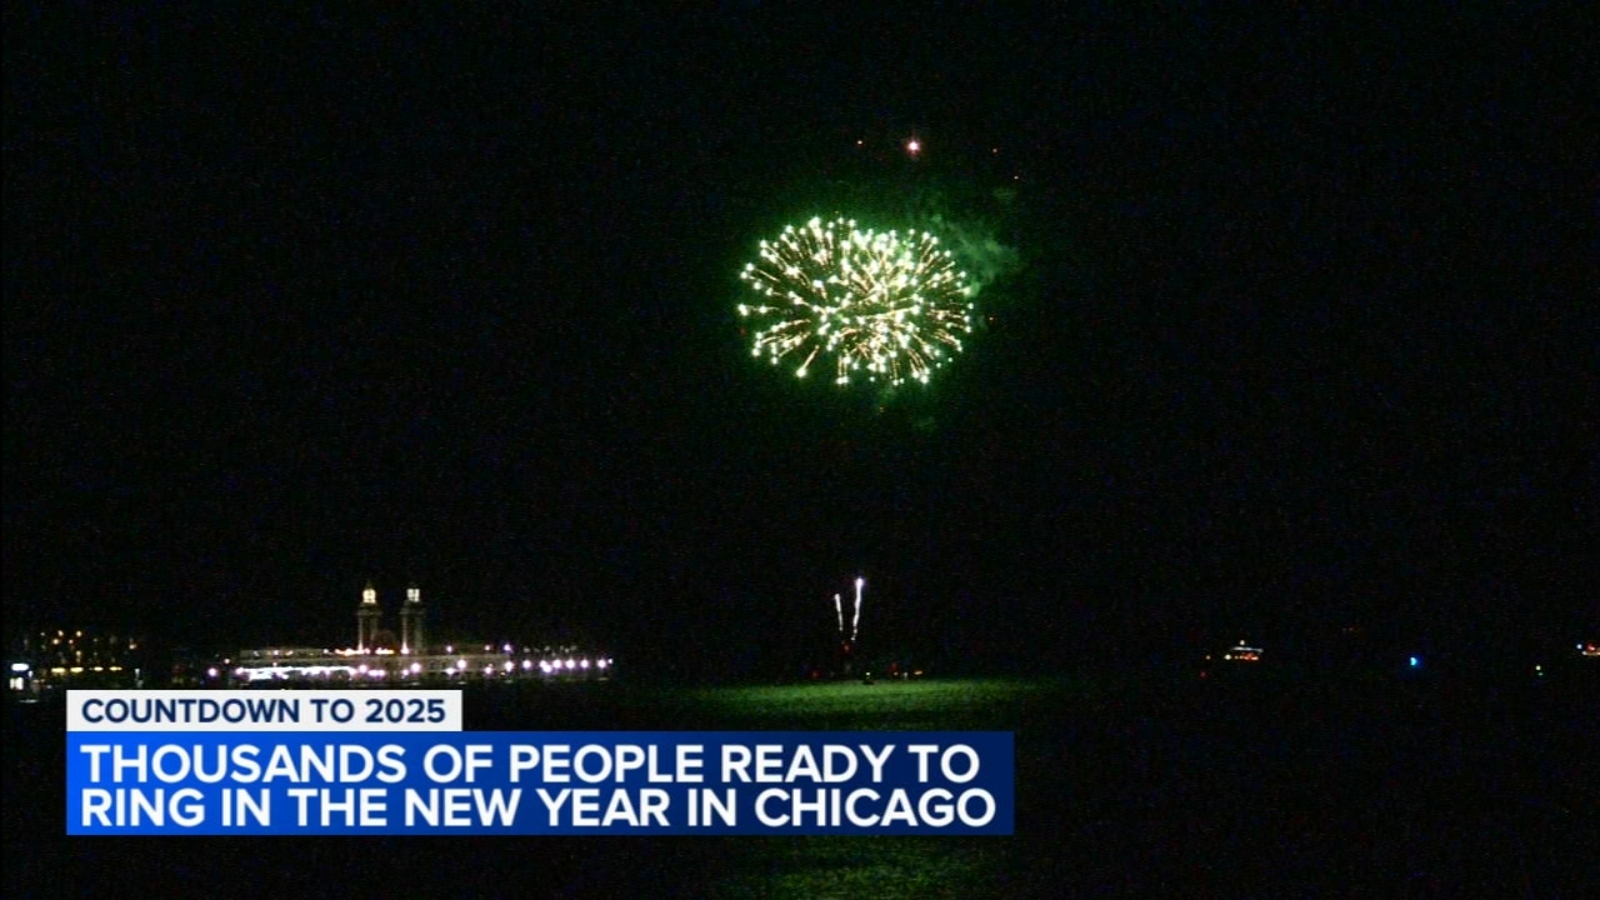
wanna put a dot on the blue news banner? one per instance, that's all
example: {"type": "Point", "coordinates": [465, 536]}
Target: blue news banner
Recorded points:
{"type": "Point", "coordinates": [306, 782]}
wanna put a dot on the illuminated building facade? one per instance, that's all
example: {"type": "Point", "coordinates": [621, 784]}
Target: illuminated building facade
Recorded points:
{"type": "Point", "coordinates": [48, 661]}
{"type": "Point", "coordinates": [368, 618]}
{"type": "Point", "coordinates": [411, 616]}
{"type": "Point", "coordinates": [379, 659]}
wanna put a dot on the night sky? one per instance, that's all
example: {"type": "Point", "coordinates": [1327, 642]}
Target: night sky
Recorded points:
{"type": "Point", "coordinates": [1302, 336]}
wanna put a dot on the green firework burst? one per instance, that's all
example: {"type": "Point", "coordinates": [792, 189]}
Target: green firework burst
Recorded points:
{"type": "Point", "coordinates": [884, 306]}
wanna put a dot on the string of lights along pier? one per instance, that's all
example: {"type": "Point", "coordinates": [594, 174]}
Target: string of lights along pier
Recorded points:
{"type": "Point", "coordinates": [381, 657]}
{"type": "Point", "coordinates": [887, 307]}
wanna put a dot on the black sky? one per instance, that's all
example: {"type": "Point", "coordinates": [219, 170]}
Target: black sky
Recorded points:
{"type": "Point", "coordinates": [1305, 335]}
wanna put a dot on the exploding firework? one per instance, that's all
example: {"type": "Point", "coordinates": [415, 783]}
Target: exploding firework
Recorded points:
{"type": "Point", "coordinates": [887, 306]}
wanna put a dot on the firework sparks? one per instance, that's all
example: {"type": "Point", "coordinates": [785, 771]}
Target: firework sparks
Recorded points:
{"type": "Point", "coordinates": [855, 624]}
{"type": "Point", "coordinates": [885, 306]}
{"type": "Point", "coordinates": [855, 617]}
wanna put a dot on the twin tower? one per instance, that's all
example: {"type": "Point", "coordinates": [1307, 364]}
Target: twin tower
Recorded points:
{"type": "Point", "coordinates": [369, 618]}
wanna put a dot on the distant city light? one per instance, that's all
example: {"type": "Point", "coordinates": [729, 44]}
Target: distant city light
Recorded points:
{"type": "Point", "coordinates": [1242, 652]}
{"type": "Point", "coordinates": [19, 667]}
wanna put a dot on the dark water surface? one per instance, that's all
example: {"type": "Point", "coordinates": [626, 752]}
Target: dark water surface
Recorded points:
{"type": "Point", "coordinates": [1158, 787]}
